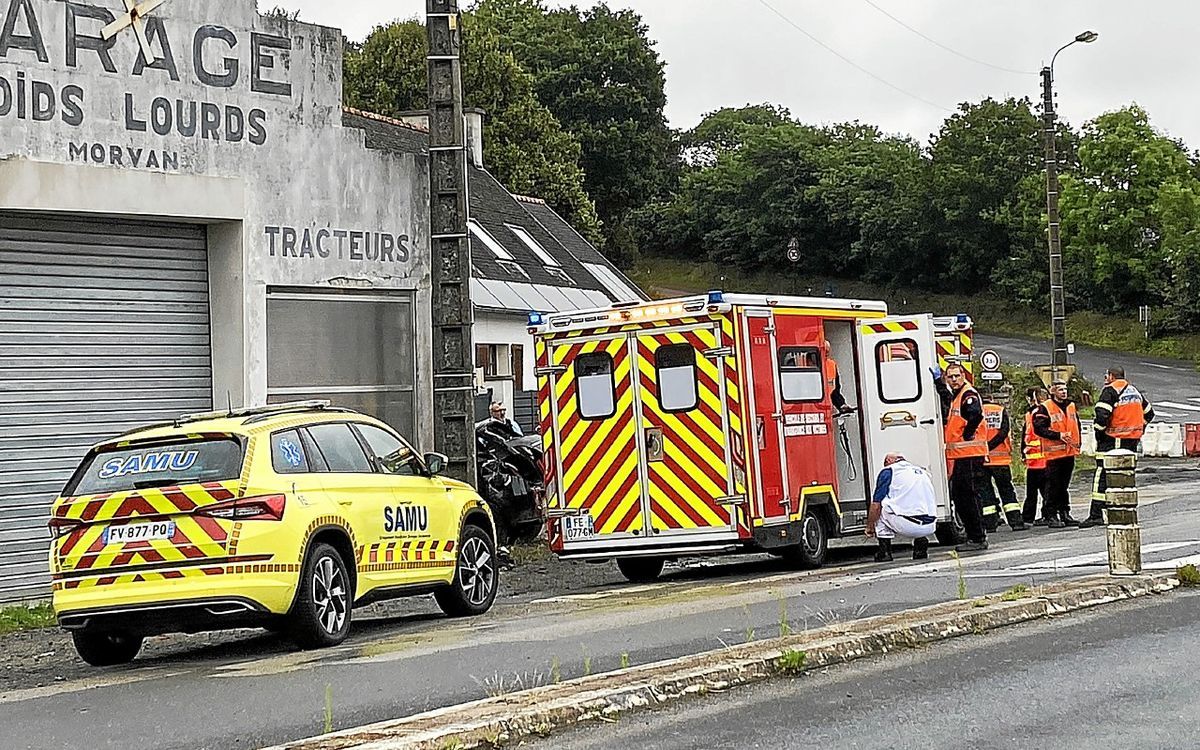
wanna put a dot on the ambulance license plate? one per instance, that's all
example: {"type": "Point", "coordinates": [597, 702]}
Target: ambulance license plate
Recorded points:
{"type": "Point", "coordinates": [139, 532]}
{"type": "Point", "coordinates": [578, 527]}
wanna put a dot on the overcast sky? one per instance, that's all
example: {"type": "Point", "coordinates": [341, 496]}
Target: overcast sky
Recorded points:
{"type": "Point", "coordinates": [733, 52]}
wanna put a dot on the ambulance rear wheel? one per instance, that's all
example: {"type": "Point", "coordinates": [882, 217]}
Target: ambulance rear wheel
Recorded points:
{"type": "Point", "coordinates": [106, 649]}
{"type": "Point", "coordinates": [948, 534]}
{"type": "Point", "coordinates": [814, 542]}
{"type": "Point", "coordinates": [640, 569]}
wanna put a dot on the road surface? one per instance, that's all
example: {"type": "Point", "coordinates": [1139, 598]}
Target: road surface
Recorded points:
{"type": "Point", "coordinates": [1125, 675]}
{"type": "Point", "coordinates": [255, 691]}
{"type": "Point", "coordinates": [1172, 385]}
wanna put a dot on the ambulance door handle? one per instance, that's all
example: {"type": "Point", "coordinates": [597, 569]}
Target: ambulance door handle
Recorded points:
{"type": "Point", "coordinates": [928, 421]}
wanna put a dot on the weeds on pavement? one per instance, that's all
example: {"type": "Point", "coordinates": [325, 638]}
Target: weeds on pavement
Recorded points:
{"type": "Point", "coordinates": [962, 579]}
{"type": "Point", "coordinates": [1189, 575]}
{"type": "Point", "coordinates": [328, 708]}
{"type": "Point", "coordinates": [21, 617]}
{"type": "Point", "coordinates": [1013, 593]}
{"type": "Point", "coordinates": [791, 661]}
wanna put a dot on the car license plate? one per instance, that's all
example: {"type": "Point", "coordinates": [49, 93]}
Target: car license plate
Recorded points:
{"type": "Point", "coordinates": [139, 532]}
{"type": "Point", "coordinates": [578, 527]}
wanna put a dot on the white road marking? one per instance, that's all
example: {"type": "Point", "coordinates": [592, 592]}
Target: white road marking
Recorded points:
{"type": "Point", "coordinates": [1162, 367]}
{"type": "Point", "coordinates": [1098, 557]}
{"type": "Point", "coordinates": [1185, 407]}
{"type": "Point", "coordinates": [1178, 562]}
{"type": "Point", "coordinates": [949, 565]}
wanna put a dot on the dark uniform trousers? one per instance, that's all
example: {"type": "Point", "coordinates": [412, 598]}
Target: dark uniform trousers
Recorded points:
{"type": "Point", "coordinates": [993, 510]}
{"type": "Point", "coordinates": [1058, 483]}
{"type": "Point", "coordinates": [1035, 482]}
{"type": "Point", "coordinates": [966, 489]}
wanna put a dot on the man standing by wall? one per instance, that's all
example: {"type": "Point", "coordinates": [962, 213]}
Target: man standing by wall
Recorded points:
{"type": "Point", "coordinates": [1121, 417]}
{"type": "Point", "coordinates": [903, 505]}
{"type": "Point", "coordinates": [998, 468]}
{"type": "Point", "coordinates": [966, 448]}
{"type": "Point", "coordinates": [1056, 422]}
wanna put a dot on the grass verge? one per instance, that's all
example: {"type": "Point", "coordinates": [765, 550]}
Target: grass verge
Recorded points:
{"type": "Point", "coordinates": [991, 315]}
{"type": "Point", "coordinates": [20, 617]}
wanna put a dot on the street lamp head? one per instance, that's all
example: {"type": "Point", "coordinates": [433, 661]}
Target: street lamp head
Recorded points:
{"type": "Point", "coordinates": [1087, 37]}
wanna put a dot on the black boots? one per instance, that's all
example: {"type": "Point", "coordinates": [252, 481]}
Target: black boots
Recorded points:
{"type": "Point", "coordinates": [1095, 516]}
{"type": "Point", "coordinates": [921, 548]}
{"type": "Point", "coordinates": [885, 551]}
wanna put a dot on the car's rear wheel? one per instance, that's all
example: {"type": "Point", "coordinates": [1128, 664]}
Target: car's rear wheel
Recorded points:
{"type": "Point", "coordinates": [476, 576]}
{"type": "Point", "coordinates": [321, 615]}
{"type": "Point", "coordinates": [640, 569]}
{"type": "Point", "coordinates": [106, 649]}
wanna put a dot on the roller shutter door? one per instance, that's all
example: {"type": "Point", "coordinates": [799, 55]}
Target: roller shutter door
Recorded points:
{"type": "Point", "coordinates": [104, 326]}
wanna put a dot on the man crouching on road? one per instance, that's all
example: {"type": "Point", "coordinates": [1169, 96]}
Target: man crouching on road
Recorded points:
{"type": "Point", "coordinates": [903, 505]}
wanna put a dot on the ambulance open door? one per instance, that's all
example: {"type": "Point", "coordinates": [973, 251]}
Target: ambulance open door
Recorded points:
{"type": "Point", "coordinates": [901, 409]}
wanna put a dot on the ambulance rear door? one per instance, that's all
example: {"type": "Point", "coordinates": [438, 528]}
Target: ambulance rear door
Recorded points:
{"type": "Point", "coordinates": [901, 409]}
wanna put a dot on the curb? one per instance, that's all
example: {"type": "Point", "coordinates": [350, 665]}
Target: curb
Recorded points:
{"type": "Point", "coordinates": [496, 721]}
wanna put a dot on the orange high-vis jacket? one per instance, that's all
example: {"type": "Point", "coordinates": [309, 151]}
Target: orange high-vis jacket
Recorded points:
{"type": "Point", "coordinates": [1128, 421]}
{"type": "Point", "coordinates": [957, 446]}
{"type": "Point", "coordinates": [993, 419]}
{"type": "Point", "coordinates": [1035, 458]}
{"type": "Point", "coordinates": [1066, 423]}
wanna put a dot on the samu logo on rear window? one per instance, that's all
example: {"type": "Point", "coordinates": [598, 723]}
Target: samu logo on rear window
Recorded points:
{"type": "Point", "coordinates": [145, 463]}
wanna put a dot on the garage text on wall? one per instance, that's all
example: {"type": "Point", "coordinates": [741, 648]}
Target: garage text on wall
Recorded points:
{"type": "Point", "coordinates": [209, 57]}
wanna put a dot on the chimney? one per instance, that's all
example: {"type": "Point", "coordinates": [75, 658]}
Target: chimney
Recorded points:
{"type": "Point", "coordinates": [474, 118]}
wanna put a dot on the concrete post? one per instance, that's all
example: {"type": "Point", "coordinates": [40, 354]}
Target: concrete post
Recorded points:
{"type": "Point", "coordinates": [453, 351]}
{"type": "Point", "coordinates": [1120, 513]}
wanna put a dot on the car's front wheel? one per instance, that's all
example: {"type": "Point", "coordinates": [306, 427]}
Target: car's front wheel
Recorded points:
{"type": "Point", "coordinates": [321, 615]}
{"type": "Point", "coordinates": [106, 649]}
{"type": "Point", "coordinates": [476, 576]}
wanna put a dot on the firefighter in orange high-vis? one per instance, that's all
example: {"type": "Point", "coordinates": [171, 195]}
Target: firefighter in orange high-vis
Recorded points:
{"type": "Point", "coordinates": [966, 449]}
{"type": "Point", "coordinates": [998, 470]}
{"type": "Point", "coordinates": [1035, 463]}
{"type": "Point", "coordinates": [1056, 422]}
{"type": "Point", "coordinates": [1122, 413]}
{"type": "Point", "coordinates": [833, 381]}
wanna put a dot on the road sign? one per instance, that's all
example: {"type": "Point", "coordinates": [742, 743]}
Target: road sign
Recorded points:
{"type": "Point", "coordinates": [989, 375]}
{"type": "Point", "coordinates": [990, 361]}
{"type": "Point", "coordinates": [793, 250]}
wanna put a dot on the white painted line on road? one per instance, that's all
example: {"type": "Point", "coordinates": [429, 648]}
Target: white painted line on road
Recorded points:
{"type": "Point", "coordinates": [967, 560]}
{"type": "Point", "coordinates": [1096, 557]}
{"type": "Point", "coordinates": [1173, 405]}
{"type": "Point", "coordinates": [1178, 562]}
{"type": "Point", "coordinates": [1162, 367]}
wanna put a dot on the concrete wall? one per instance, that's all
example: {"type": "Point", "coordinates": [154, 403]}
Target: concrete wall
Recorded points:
{"type": "Point", "coordinates": [291, 197]}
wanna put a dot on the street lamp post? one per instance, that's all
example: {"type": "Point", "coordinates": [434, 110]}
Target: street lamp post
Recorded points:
{"type": "Point", "coordinates": [1049, 117]}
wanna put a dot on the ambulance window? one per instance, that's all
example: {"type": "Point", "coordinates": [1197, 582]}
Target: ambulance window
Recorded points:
{"type": "Point", "coordinates": [675, 365]}
{"type": "Point", "coordinates": [287, 453]}
{"type": "Point", "coordinates": [800, 377]}
{"type": "Point", "coordinates": [595, 389]}
{"type": "Point", "coordinates": [899, 369]}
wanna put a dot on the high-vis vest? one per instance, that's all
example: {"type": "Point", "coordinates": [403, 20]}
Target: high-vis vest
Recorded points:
{"type": "Point", "coordinates": [957, 446]}
{"type": "Point", "coordinates": [1065, 423]}
{"type": "Point", "coordinates": [831, 375]}
{"type": "Point", "coordinates": [1035, 458]}
{"type": "Point", "coordinates": [1127, 421]}
{"type": "Point", "coordinates": [993, 415]}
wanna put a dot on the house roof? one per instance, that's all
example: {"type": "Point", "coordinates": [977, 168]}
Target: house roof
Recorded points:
{"type": "Point", "coordinates": [560, 271]}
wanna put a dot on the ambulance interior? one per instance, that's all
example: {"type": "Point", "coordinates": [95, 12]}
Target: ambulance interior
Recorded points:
{"type": "Point", "coordinates": [853, 475]}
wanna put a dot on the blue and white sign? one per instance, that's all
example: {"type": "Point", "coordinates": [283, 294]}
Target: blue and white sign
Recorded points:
{"type": "Point", "coordinates": [150, 462]}
{"type": "Point", "coordinates": [291, 453]}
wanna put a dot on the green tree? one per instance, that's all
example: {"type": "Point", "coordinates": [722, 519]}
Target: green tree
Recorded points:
{"type": "Point", "coordinates": [598, 72]}
{"type": "Point", "coordinates": [525, 146]}
{"type": "Point", "coordinates": [1132, 177]}
{"type": "Point", "coordinates": [980, 158]}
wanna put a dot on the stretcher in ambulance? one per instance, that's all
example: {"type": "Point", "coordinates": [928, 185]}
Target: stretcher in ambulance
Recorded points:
{"type": "Point", "coordinates": [707, 424]}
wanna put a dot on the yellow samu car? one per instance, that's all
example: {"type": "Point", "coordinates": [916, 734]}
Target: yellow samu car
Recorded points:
{"type": "Point", "coordinates": [283, 517]}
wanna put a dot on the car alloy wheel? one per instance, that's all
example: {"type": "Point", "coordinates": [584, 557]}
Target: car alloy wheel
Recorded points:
{"type": "Point", "coordinates": [329, 595]}
{"type": "Point", "coordinates": [477, 571]}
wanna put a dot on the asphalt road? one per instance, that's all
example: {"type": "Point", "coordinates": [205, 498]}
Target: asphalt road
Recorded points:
{"type": "Point", "coordinates": [255, 691]}
{"type": "Point", "coordinates": [1172, 385]}
{"type": "Point", "coordinates": [1125, 675]}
